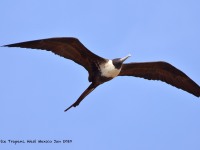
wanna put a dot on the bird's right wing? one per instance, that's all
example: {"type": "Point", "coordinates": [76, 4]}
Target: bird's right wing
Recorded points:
{"type": "Point", "coordinates": [161, 71]}
{"type": "Point", "coordinates": [67, 47]}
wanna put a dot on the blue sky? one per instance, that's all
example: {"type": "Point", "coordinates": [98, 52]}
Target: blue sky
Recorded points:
{"type": "Point", "coordinates": [126, 113]}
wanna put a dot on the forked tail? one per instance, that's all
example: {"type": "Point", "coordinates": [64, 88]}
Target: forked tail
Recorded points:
{"type": "Point", "coordinates": [91, 87]}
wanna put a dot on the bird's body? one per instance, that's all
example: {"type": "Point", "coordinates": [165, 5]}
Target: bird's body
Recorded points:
{"type": "Point", "coordinates": [102, 70]}
{"type": "Point", "coordinates": [109, 70]}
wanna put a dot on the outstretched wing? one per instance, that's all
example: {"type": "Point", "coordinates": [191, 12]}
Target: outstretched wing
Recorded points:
{"type": "Point", "coordinates": [161, 71]}
{"type": "Point", "coordinates": [70, 48]}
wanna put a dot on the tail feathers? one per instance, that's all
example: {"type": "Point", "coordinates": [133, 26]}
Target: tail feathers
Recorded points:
{"type": "Point", "coordinates": [83, 95]}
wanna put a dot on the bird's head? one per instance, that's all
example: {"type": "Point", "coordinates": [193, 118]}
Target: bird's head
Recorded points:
{"type": "Point", "coordinates": [117, 62]}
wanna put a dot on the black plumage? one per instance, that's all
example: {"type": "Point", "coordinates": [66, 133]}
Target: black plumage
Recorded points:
{"type": "Point", "coordinates": [102, 70]}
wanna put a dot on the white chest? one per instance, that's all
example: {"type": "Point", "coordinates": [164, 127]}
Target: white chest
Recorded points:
{"type": "Point", "coordinates": [109, 70]}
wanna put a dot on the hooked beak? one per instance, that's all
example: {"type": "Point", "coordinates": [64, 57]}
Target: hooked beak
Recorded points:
{"type": "Point", "coordinates": [124, 58]}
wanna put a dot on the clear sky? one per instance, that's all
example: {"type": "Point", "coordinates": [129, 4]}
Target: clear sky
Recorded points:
{"type": "Point", "coordinates": [126, 113]}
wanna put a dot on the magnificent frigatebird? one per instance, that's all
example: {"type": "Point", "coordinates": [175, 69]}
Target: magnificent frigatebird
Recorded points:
{"type": "Point", "coordinates": [102, 70]}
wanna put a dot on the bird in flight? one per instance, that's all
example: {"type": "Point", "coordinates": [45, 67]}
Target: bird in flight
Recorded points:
{"type": "Point", "coordinates": [102, 70]}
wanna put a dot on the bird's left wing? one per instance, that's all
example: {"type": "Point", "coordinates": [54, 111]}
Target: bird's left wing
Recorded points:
{"type": "Point", "coordinates": [67, 47]}
{"type": "Point", "coordinates": [161, 71]}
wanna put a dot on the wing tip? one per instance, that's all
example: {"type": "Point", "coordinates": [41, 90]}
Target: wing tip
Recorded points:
{"type": "Point", "coordinates": [10, 45]}
{"type": "Point", "coordinates": [196, 93]}
{"type": "Point", "coordinates": [4, 46]}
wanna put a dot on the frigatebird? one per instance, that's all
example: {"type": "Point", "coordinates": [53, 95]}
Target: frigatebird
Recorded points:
{"type": "Point", "coordinates": [102, 70]}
